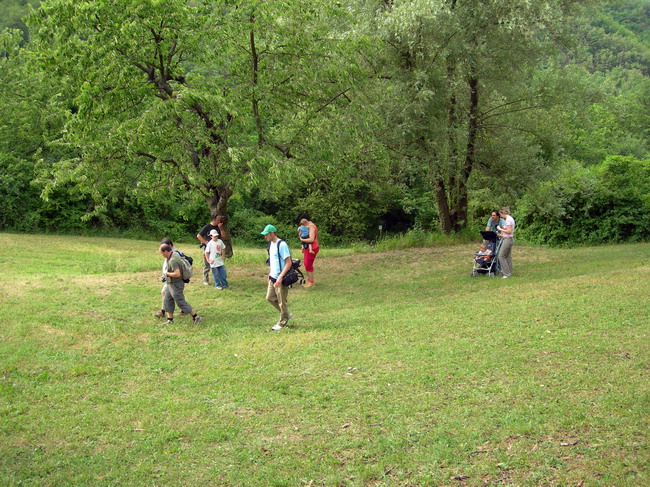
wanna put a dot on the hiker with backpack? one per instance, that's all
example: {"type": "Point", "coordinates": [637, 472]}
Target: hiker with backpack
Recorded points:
{"type": "Point", "coordinates": [163, 278]}
{"type": "Point", "coordinates": [176, 274]}
{"type": "Point", "coordinates": [279, 266]}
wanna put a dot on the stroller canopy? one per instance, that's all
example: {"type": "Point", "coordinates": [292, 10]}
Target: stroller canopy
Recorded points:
{"type": "Point", "coordinates": [489, 235]}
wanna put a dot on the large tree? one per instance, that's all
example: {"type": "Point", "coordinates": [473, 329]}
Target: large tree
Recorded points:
{"type": "Point", "coordinates": [458, 73]}
{"type": "Point", "coordinates": [30, 119]}
{"type": "Point", "coordinates": [204, 96]}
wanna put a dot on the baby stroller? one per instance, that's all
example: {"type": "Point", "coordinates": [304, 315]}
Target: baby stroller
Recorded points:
{"type": "Point", "coordinates": [489, 264]}
{"type": "Point", "coordinates": [295, 265]}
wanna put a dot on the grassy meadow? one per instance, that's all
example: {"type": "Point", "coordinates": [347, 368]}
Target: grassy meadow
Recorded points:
{"type": "Point", "coordinates": [399, 369]}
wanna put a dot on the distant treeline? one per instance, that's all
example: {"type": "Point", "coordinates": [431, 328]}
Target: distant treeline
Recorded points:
{"type": "Point", "coordinates": [399, 115]}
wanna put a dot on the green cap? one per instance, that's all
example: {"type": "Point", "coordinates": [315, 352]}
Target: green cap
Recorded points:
{"type": "Point", "coordinates": [269, 229]}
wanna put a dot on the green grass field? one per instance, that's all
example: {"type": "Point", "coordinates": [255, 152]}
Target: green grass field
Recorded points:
{"type": "Point", "coordinates": [399, 370]}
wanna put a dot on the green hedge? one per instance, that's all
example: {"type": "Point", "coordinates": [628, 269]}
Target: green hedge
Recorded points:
{"type": "Point", "coordinates": [605, 203]}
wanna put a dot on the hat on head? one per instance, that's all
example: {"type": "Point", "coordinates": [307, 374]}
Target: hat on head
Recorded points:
{"type": "Point", "coordinates": [269, 229]}
{"type": "Point", "coordinates": [213, 232]}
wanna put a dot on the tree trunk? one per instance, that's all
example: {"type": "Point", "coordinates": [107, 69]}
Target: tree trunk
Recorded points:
{"type": "Point", "coordinates": [444, 192]}
{"type": "Point", "coordinates": [452, 198]}
{"type": "Point", "coordinates": [460, 215]}
{"type": "Point", "coordinates": [443, 205]}
{"type": "Point", "coordinates": [218, 204]}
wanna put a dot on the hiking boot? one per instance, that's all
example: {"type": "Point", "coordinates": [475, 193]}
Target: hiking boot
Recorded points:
{"type": "Point", "coordinates": [196, 320]}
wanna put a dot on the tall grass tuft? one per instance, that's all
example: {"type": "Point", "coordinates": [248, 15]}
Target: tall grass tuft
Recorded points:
{"type": "Point", "coordinates": [415, 238]}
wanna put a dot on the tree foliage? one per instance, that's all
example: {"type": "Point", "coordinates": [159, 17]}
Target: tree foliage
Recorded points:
{"type": "Point", "coordinates": [208, 97]}
{"type": "Point", "coordinates": [606, 202]}
{"type": "Point", "coordinates": [13, 12]}
{"type": "Point", "coordinates": [398, 113]}
{"type": "Point", "coordinates": [30, 119]}
{"type": "Point", "coordinates": [459, 87]}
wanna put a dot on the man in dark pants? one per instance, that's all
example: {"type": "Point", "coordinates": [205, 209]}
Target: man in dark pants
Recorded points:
{"type": "Point", "coordinates": [174, 292]}
{"type": "Point", "coordinates": [216, 222]}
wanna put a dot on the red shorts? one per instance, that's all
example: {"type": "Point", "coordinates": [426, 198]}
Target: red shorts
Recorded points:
{"type": "Point", "coordinates": [308, 259]}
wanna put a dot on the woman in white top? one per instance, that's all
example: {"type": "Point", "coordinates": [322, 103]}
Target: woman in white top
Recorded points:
{"type": "Point", "coordinates": [507, 234]}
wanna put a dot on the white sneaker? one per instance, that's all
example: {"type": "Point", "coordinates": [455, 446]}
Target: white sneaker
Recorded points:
{"type": "Point", "coordinates": [505, 277]}
{"type": "Point", "coordinates": [219, 288]}
{"type": "Point", "coordinates": [206, 283]}
{"type": "Point", "coordinates": [277, 326]}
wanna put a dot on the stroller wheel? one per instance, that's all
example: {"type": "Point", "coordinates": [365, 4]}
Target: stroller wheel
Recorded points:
{"type": "Point", "coordinates": [492, 274]}
{"type": "Point", "coordinates": [474, 274]}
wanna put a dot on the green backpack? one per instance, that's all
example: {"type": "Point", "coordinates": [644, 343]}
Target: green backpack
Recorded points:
{"type": "Point", "coordinates": [186, 266]}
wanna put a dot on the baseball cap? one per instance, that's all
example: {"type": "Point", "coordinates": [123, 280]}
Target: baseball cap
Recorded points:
{"type": "Point", "coordinates": [269, 229]}
{"type": "Point", "coordinates": [213, 232]}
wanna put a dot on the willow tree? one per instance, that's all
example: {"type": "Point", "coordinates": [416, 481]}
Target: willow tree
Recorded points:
{"type": "Point", "coordinates": [198, 96]}
{"type": "Point", "coordinates": [458, 75]}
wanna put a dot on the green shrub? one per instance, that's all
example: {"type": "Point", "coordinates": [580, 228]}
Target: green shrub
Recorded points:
{"type": "Point", "coordinates": [608, 202]}
{"type": "Point", "coordinates": [246, 225]}
{"type": "Point", "coordinates": [19, 199]}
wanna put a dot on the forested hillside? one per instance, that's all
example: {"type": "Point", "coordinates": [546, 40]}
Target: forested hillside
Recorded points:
{"type": "Point", "coordinates": [13, 12]}
{"type": "Point", "coordinates": [145, 118]}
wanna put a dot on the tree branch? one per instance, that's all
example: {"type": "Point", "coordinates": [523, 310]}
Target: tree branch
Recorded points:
{"type": "Point", "coordinates": [171, 161]}
{"type": "Point", "coordinates": [254, 100]}
{"type": "Point", "coordinates": [333, 99]}
{"type": "Point", "coordinates": [510, 103]}
{"type": "Point", "coordinates": [523, 109]}
{"type": "Point", "coordinates": [286, 151]}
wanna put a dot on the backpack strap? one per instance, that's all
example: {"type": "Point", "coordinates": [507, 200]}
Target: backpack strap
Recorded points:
{"type": "Point", "coordinates": [279, 257]}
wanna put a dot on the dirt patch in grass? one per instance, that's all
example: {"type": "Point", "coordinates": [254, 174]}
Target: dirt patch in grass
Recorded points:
{"type": "Point", "coordinates": [53, 331]}
{"type": "Point", "coordinates": [19, 289]}
{"type": "Point", "coordinates": [97, 284]}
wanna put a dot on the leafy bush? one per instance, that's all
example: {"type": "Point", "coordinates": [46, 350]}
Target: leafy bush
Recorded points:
{"type": "Point", "coordinates": [246, 224]}
{"type": "Point", "coordinates": [608, 202]}
{"type": "Point", "coordinates": [18, 198]}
